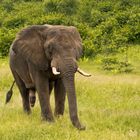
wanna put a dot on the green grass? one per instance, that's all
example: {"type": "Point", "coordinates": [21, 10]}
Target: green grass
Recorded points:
{"type": "Point", "coordinates": [108, 105]}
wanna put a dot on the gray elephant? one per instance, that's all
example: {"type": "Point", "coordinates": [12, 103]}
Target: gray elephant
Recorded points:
{"type": "Point", "coordinates": [43, 57]}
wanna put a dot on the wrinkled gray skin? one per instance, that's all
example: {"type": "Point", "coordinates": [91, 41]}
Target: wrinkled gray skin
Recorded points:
{"type": "Point", "coordinates": [34, 51]}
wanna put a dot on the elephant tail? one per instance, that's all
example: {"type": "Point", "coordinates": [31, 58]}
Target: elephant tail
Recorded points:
{"type": "Point", "coordinates": [9, 93]}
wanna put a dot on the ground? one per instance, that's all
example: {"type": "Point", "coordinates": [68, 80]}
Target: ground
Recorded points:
{"type": "Point", "coordinates": [108, 105]}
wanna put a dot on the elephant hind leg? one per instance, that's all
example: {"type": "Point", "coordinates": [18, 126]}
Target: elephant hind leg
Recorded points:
{"type": "Point", "coordinates": [23, 91]}
{"type": "Point", "coordinates": [32, 97]}
{"type": "Point", "coordinates": [60, 93]}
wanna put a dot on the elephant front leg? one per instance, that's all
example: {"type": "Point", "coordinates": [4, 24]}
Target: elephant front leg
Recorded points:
{"type": "Point", "coordinates": [60, 93]}
{"type": "Point", "coordinates": [42, 86]}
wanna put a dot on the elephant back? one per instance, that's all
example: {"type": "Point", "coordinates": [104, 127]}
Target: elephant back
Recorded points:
{"type": "Point", "coordinates": [29, 44]}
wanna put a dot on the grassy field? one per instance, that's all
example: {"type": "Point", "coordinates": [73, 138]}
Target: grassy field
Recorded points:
{"type": "Point", "coordinates": [108, 105]}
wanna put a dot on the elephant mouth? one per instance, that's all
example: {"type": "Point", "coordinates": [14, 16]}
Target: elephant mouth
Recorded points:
{"type": "Point", "coordinates": [55, 72]}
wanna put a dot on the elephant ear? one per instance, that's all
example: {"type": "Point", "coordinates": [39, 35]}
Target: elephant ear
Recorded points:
{"type": "Point", "coordinates": [77, 41]}
{"type": "Point", "coordinates": [29, 44]}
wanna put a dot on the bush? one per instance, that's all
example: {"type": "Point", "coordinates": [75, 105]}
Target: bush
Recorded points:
{"type": "Point", "coordinates": [87, 35]}
{"type": "Point", "coordinates": [84, 11]}
{"type": "Point", "coordinates": [105, 6]}
{"type": "Point", "coordinates": [15, 22]}
{"type": "Point", "coordinates": [53, 19]}
{"type": "Point", "coordinates": [68, 7]}
{"type": "Point", "coordinates": [8, 5]}
{"type": "Point", "coordinates": [105, 26]}
{"type": "Point", "coordinates": [111, 63]}
{"type": "Point", "coordinates": [6, 38]}
{"type": "Point", "coordinates": [96, 18]}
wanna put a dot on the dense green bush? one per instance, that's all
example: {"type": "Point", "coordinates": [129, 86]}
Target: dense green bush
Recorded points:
{"type": "Point", "coordinates": [6, 38]}
{"type": "Point", "coordinates": [111, 63]}
{"type": "Point", "coordinates": [68, 7]}
{"type": "Point", "coordinates": [8, 5]}
{"type": "Point", "coordinates": [106, 27]}
{"type": "Point", "coordinates": [87, 35]}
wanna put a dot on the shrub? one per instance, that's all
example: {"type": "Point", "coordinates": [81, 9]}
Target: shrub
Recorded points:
{"type": "Point", "coordinates": [105, 6]}
{"type": "Point", "coordinates": [68, 7]}
{"type": "Point", "coordinates": [111, 63]}
{"type": "Point", "coordinates": [15, 22]}
{"type": "Point", "coordinates": [52, 18]}
{"type": "Point", "coordinates": [105, 26]}
{"type": "Point", "coordinates": [84, 12]}
{"type": "Point", "coordinates": [87, 35]}
{"type": "Point", "coordinates": [8, 5]}
{"type": "Point", "coordinates": [6, 38]}
{"type": "Point", "coordinates": [124, 4]}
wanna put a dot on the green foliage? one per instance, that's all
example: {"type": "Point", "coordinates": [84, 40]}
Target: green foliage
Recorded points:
{"type": "Point", "coordinates": [6, 38]}
{"type": "Point", "coordinates": [116, 66]}
{"type": "Point", "coordinates": [87, 35]}
{"type": "Point", "coordinates": [68, 7]}
{"type": "Point", "coordinates": [105, 6]}
{"type": "Point", "coordinates": [84, 13]}
{"type": "Point", "coordinates": [106, 27]}
{"type": "Point", "coordinates": [8, 5]}
{"type": "Point", "coordinates": [15, 22]}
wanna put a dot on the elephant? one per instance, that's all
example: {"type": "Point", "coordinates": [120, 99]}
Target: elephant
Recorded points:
{"type": "Point", "coordinates": [43, 57]}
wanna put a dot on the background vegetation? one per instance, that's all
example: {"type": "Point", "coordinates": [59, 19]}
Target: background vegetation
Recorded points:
{"type": "Point", "coordinates": [106, 27]}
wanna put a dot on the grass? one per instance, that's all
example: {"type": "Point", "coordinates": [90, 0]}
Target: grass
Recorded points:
{"type": "Point", "coordinates": [108, 104]}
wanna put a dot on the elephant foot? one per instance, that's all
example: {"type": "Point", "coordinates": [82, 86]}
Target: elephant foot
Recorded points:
{"type": "Point", "coordinates": [47, 118]}
{"type": "Point", "coordinates": [26, 107]}
{"type": "Point", "coordinates": [27, 111]}
{"type": "Point", "coordinates": [79, 126]}
{"type": "Point", "coordinates": [58, 113]}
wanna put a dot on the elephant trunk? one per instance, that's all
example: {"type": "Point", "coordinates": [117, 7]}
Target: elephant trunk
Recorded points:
{"type": "Point", "coordinates": [69, 84]}
{"type": "Point", "coordinates": [70, 89]}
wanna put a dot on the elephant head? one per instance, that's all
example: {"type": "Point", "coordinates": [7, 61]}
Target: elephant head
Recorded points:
{"type": "Point", "coordinates": [57, 47]}
{"type": "Point", "coordinates": [63, 47]}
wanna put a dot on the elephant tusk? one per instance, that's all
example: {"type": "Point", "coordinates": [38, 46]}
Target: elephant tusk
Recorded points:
{"type": "Point", "coordinates": [55, 72]}
{"type": "Point", "coordinates": [83, 73]}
